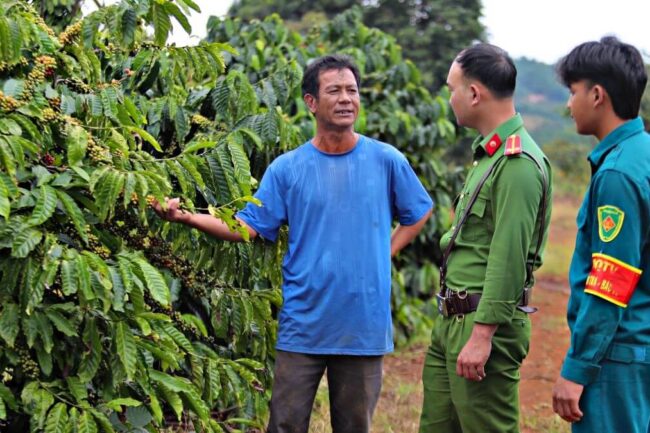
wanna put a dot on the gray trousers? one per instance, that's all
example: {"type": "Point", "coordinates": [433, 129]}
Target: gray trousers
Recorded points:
{"type": "Point", "coordinates": [354, 383]}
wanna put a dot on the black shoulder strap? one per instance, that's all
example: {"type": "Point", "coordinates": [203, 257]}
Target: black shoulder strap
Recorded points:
{"type": "Point", "coordinates": [530, 264]}
{"type": "Point", "coordinates": [472, 200]}
{"type": "Point", "coordinates": [461, 221]}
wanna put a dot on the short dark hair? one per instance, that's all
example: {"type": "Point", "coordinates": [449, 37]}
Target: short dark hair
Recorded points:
{"type": "Point", "coordinates": [490, 65]}
{"type": "Point", "coordinates": [310, 82]}
{"type": "Point", "coordinates": [615, 65]}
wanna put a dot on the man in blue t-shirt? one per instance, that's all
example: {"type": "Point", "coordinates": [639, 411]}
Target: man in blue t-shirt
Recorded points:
{"type": "Point", "coordinates": [339, 194]}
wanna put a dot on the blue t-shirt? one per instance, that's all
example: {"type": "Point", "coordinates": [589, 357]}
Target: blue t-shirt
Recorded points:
{"type": "Point", "coordinates": [336, 272]}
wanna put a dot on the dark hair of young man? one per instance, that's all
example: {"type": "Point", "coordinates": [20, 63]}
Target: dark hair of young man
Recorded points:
{"type": "Point", "coordinates": [310, 82]}
{"type": "Point", "coordinates": [491, 66]}
{"type": "Point", "coordinates": [615, 65]}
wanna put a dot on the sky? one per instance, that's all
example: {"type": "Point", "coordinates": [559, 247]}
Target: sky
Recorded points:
{"type": "Point", "coordinates": [544, 30]}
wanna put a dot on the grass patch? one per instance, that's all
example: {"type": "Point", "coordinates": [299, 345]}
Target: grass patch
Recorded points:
{"type": "Point", "coordinates": [553, 323]}
{"type": "Point", "coordinates": [398, 410]}
{"type": "Point", "coordinates": [320, 417]}
{"type": "Point", "coordinates": [557, 259]}
{"type": "Point", "coordinates": [553, 424]}
{"type": "Point", "coordinates": [400, 402]}
{"type": "Point", "coordinates": [561, 239]}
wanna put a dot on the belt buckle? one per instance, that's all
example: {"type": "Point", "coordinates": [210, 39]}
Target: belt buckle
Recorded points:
{"type": "Point", "coordinates": [463, 302]}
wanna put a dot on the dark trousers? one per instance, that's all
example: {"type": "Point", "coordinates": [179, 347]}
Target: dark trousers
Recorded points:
{"type": "Point", "coordinates": [354, 383]}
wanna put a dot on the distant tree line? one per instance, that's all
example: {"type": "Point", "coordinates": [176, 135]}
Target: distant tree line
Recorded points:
{"type": "Point", "coordinates": [430, 32]}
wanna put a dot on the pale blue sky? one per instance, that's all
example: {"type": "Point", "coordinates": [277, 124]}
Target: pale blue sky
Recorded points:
{"type": "Point", "coordinates": [548, 29]}
{"type": "Point", "coordinates": [543, 30]}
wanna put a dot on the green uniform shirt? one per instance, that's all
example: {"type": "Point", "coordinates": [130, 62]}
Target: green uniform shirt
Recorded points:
{"type": "Point", "coordinates": [500, 235]}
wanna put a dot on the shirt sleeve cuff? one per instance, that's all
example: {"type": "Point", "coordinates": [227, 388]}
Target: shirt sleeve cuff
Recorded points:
{"type": "Point", "coordinates": [266, 234]}
{"type": "Point", "coordinates": [579, 371]}
{"type": "Point", "coordinates": [414, 217]}
{"type": "Point", "coordinates": [494, 312]}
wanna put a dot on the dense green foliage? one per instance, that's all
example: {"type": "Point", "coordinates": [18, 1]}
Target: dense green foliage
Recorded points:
{"type": "Point", "coordinates": [98, 313]}
{"type": "Point", "coordinates": [289, 10]}
{"type": "Point", "coordinates": [430, 32]}
{"type": "Point", "coordinates": [571, 168]}
{"type": "Point", "coordinates": [110, 319]}
{"type": "Point", "coordinates": [58, 14]}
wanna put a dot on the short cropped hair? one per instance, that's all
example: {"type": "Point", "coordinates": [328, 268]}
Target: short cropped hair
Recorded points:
{"type": "Point", "coordinates": [491, 66]}
{"type": "Point", "coordinates": [615, 65]}
{"type": "Point", "coordinates": [310, 82]}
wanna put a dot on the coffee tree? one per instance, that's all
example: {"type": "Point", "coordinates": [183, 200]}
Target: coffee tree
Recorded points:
{"type": "Point", "coordinates": [110, 319]}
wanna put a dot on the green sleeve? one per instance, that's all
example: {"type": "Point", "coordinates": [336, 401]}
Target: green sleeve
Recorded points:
{"type": "Point", "coordinates": [516, 194]}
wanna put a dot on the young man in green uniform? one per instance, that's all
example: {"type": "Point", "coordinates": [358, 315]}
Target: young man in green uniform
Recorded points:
{"type": "Point", "coordinates": [605, 380]}
{"type": "Point", "coordinates": [481, 337]}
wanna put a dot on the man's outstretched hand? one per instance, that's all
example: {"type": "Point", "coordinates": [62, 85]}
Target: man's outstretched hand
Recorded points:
{"type": "Point", "coordinates": [172, 213]}
{"type": "Point", "coordinates": [203, 222]}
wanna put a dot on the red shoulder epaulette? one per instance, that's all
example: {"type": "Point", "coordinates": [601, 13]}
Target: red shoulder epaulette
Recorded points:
{"type": "Point", "coordinates": [513, 145]}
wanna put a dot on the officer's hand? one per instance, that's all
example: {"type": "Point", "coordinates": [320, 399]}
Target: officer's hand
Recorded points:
{"type": "Point", "coordinates": [566, 395]}
{"type": "Point", "coordinates": [172, 213]}
{"type": "Point", "coordinates": [472, 359]}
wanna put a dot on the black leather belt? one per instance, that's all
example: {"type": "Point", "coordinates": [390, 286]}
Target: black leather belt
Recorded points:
{"type": "Point", "coordinates": [453, 303]}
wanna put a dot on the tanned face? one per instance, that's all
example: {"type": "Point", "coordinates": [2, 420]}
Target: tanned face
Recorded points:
{"type": "Point", "coordinates": [460, 97]}
{"type": "Point", "coordinates": [581, 106]}
{"type": "Point", "coordinates": [336, 106]}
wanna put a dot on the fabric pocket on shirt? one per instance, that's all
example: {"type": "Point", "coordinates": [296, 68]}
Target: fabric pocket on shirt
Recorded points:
{"type": "Point", "coordinates": [476, 227]}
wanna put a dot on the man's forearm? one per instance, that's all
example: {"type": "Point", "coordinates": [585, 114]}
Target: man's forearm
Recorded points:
{"type": "Point", "coordinates": [403, 235]}
{"type": "Point", "coordinates": [483, 331]}
{"type": "Point", "coordinates": [203, 222]}
{"type": "Point", "coordinates": [215, 227]}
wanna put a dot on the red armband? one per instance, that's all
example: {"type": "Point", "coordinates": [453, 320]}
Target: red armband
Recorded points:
{"type": "Point", "coordinates": [612, 279]}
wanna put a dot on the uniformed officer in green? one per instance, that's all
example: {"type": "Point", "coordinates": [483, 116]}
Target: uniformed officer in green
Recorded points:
{"type": "Point", "coordinates": [605, 380]}
{"type": "Point", "coordinates": [481, 337]}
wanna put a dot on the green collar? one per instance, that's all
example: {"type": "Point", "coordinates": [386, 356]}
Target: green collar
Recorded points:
{"type": "Point", "coordinates": [491, 142]}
